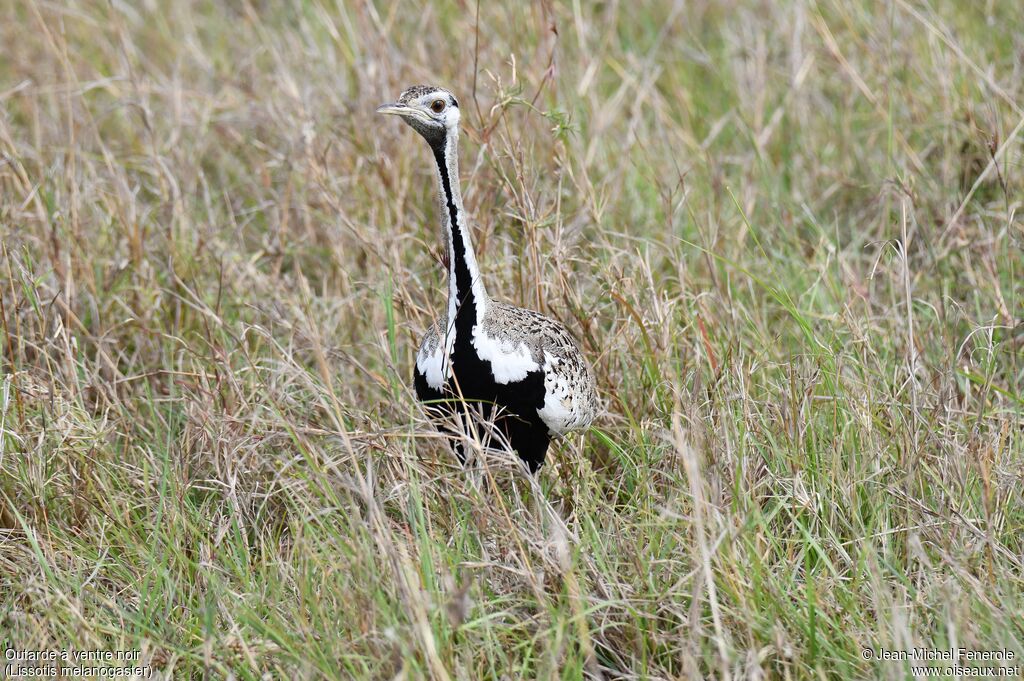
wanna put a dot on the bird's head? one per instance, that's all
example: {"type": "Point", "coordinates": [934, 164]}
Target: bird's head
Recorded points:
{"type": "Point", "coordinates": [431, 111]}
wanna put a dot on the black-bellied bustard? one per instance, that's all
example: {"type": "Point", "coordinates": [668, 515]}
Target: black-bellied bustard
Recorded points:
{"type": "Point", "coordinates": [515, 365]}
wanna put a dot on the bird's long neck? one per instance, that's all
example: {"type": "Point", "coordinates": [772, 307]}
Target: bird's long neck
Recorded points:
{"type": "Point", "coordinates": [467, 298]}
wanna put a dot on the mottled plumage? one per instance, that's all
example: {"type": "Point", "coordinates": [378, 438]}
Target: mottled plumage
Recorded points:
{"type": "Point", "coordinates": [414, 92]}
{"type": "Point", "coordinates": [529, 338]}
{"type": "Point", "coordinates": [514, 365]}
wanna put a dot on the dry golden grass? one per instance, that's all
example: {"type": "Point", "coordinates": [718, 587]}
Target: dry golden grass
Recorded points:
{"type": "Point", "coordinates": [787, 234]}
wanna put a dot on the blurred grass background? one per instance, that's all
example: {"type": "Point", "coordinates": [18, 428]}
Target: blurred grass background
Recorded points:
{"type": "Point", "coordinates": [787, 235]}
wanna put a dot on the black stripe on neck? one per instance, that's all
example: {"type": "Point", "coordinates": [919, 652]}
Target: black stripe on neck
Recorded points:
{"type": "Point", "coordinates": [463, 278]}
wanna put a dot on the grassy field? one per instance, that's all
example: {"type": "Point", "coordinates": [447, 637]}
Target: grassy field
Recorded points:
{"type": "Point", "coordinates": [788, 236]}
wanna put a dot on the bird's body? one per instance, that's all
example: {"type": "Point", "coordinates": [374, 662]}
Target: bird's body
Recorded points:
{"type": "Point", "coordinates": [514, 365]}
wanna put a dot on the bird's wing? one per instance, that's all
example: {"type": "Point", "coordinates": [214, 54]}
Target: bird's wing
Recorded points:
{"type": "Point", "coordinates": [533, 335]}
{"type": "Point", "coordinates": [431, 364]}
{"type": "Point", "coordinates": [518, 342]}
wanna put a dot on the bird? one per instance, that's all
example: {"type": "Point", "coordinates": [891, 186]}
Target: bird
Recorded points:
{"type": "Point", "coordinates": [516, 366]}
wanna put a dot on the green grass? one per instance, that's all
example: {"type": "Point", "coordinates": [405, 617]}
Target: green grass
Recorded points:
{"type": "Point", "coordinates": [788, 236]}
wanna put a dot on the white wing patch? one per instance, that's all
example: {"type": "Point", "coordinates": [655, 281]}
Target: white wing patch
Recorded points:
{"type": "Point", "coordinates": [431, 366]}
{"type": "Point", "coordinates": [434, 364]}
{"type": "Point", "coordinates": [560, 413]}
{"type": "Point", "coordinates": [509, 362]}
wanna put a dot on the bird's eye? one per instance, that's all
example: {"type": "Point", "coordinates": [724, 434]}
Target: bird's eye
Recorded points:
{"type": "Point", "coordinates": [437, 106]}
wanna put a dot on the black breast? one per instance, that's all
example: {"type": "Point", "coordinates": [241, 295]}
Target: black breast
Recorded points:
{"type": "Point", "coordinates": [516, 404]}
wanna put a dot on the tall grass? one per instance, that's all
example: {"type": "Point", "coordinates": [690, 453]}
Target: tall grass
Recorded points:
{"type": "Point", "coordinates": [786, 234]}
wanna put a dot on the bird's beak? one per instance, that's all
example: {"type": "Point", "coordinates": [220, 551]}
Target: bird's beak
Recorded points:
{"type": "Point", "coordinates": [394, 109]}
{"type": "Point", "coordinates": [403, 111]}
